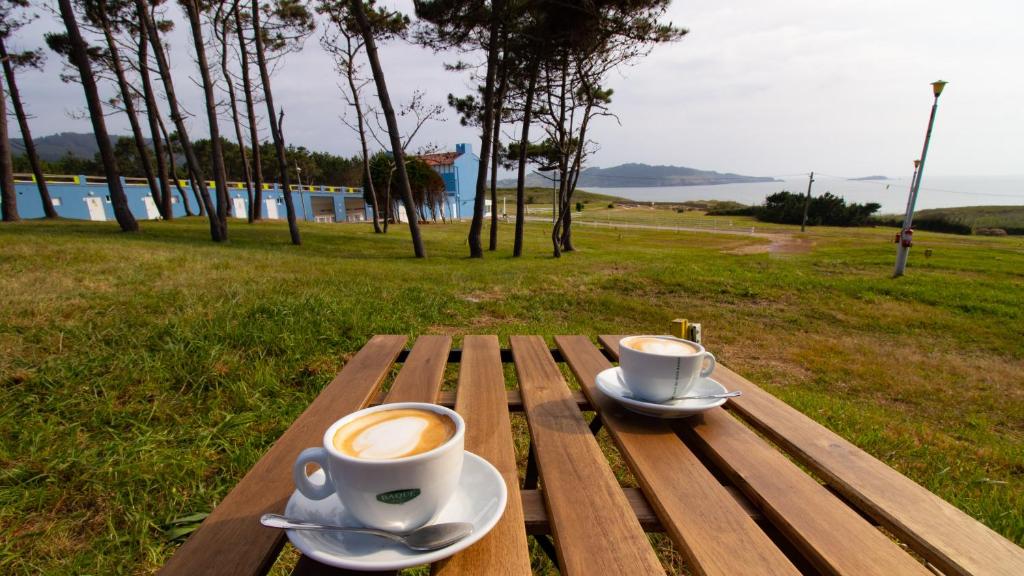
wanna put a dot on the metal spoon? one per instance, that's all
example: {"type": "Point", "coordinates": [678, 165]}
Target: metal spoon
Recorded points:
{"type": "Point", "coordinates": [430, 537]}
{"type": "Point", "coordinates": [732, 394]}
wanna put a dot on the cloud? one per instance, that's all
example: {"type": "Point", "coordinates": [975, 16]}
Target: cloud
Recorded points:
{"type": "Point", "coordinates": [767, 89]}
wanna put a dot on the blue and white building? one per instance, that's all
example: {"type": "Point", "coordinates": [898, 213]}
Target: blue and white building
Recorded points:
{"type": "Point", "coordinates": [88, 198]}
{"type": "Point", "coordinates": [459, 170]}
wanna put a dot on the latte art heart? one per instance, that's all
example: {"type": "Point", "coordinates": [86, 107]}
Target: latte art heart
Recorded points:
{"type": "Point", "coordinates": [393, 434]}
{"type": "Point", "coordinates": [660, 346]}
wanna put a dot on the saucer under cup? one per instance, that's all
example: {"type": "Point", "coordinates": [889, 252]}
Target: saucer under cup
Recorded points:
{"type": "Point", "coordinates": [480, 497]}
{"type": "Point", "coordinates": [660, 377]}
{"type": "Point", "coordinates": [609, 382]}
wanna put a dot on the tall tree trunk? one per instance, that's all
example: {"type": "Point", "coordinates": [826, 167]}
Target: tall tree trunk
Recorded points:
{"type": "Point", "coordinates": [275, 129]}
{"type": "Point", "coordinates": [219, 173]}
{"type": "Point", "coordinates": [165, 203]}
{"type": "Point", "coordinates": [234, 110]}
{"type": "Point", "coordinates": [369, 192]}
{"type": "Point", "coordinates": [256, 205]}
{"type": "Point", "coordinates": [128, 99]}
{"type": "Point", "coordinates": [556, 229]}
{"type": "Point", "coordinates": [475, 247]}
{"type": "Point", "coordinates": [173, 167]}
{"type": "Point", "coordinates": [573, 175]}
{"type": "Point", "coordinates": [387, 201]}
{"type": "Point", "coordinates": [81, 60]}
{"type": "Point", "coordinates": [524, 144]}
{"type": "Point", "coordinates": [195, 172]}
{"type": "Point", "coordinates": [392, 122]}
{"type": "Point", "coordinates": [26, 135]}
{"type": "Point", "coordinates": [8, 195]}
{"type": "Point", "coordinates": [496, 145]}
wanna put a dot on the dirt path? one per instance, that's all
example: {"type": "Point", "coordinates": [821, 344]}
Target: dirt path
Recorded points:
{"type": "Point", "coordinates": [779, 243]}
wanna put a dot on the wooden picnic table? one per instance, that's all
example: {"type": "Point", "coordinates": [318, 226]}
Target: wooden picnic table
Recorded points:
{"type": "Point", "coordinates": [730, 487]}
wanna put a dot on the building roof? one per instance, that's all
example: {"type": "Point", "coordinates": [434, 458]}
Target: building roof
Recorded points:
{"type": "Point", "coordinates": [440, 158]}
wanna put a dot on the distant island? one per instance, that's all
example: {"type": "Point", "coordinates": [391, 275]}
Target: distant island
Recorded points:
{"type": "Point", "coordinates": [645, 176]}
{"type": "Point", "coordinates": [875, 177]}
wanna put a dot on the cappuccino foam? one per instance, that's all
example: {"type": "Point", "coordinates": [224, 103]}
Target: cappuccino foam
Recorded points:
{"type": "Point", "coordinates": [390, 434]}
{"type": "Point", "coordinates": [661, 346]}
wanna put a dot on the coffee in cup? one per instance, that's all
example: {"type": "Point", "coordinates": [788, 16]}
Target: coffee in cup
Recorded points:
{"type": "Point", "coordinates": [390, 434]}
{"type": "Point", "coordinates": [660, 368]}
{"type": "Point", "coordinates": [393, 466]}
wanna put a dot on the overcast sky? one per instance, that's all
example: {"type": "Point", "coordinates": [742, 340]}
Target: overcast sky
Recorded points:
{"type": "Point", "coordinates": [757, 88]}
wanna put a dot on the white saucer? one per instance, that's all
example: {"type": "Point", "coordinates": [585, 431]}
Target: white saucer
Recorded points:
{"type": "Point", "coordinates": [479, 499]}
{"type": "Point", "coordinates": [610, 382]}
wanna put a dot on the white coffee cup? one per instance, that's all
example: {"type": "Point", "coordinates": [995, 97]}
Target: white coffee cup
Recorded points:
{"type": "Point", "coordinates": [669, 368]}
{"type": "Point", "coordinates": [396, 494]}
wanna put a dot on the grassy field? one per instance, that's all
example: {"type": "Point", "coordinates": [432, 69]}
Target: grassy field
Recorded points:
{"type": "Point", "coordinates": [142, 375]}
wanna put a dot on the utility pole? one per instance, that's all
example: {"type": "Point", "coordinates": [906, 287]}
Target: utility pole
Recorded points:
{"type": "Point", "coordinates": [904, 240]}
{"type": "Point", "coordinates": [807, 202]}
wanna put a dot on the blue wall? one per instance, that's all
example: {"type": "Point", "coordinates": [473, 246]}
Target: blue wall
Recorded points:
{"type": "Point", "coordinates": [72, 196]}
{"type": "Point", "coordinates": [466, 167]}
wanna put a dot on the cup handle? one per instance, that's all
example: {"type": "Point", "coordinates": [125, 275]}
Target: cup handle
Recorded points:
{"type": "Point", "coordinates": [303, 483]}
{"type": "Point", "coordinates": [711, 365]}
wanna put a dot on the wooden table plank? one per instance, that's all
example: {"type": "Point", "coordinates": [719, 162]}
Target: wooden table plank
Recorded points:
{"type": "Point", "coordinates": [832, 536]}
{"type": "Point", "coordinates": [536, 516]}
{"type": "Point", "coordinates": [715, 534]}
{"type": "Point", "coordinates": [419, 380]}
{"type": "Point", "coordinates": [594, 528]}
{"type": "Point", "coordinates": [483, 405]}
{"type": "Point", "coordinates": [231, 540]}
{"type": "Point", "coordinates": [421, 376]}
{"type": "Point", "coordinates": [512, 398]}
{"type": "Point", "coordinates": [946, 536]}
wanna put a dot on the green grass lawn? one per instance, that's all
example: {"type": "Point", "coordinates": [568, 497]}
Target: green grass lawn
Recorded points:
{"type": "Point", "coordinates": [142, 375]}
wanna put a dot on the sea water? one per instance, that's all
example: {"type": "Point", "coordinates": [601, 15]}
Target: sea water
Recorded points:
{"type": "Point", "coordinates": [936, 191]}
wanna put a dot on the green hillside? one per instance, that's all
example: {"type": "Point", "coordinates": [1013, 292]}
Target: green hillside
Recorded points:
{"type": "Point", "coordinates": [980, 216]}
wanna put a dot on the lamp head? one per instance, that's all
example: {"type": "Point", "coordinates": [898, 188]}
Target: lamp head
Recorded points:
{"type": "Point", "coordinates": [937, 87]}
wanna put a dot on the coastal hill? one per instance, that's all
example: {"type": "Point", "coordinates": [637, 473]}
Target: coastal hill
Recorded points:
{"type": "Point", "coordinates": [55, 146]}
{"type": "Point", "coordinates": [643, 176]}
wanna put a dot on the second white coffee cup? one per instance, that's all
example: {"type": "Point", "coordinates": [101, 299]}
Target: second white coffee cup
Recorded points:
{"type": "Point", "coordinates": [662, 374]}
{"type": "Point", "coordinates": [397, 494]}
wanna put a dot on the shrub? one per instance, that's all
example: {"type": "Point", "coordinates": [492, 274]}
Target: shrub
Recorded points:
{"type": "Point", "coordinates": [579, 206]}
{"type": "Point", "coordinates": [611, 205]}
{"type": "Point", "coordinates": [827, 209]}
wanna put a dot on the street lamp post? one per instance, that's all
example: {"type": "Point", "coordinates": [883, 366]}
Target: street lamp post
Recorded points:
{"type": "Point", "coordinates": [903, 243]}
